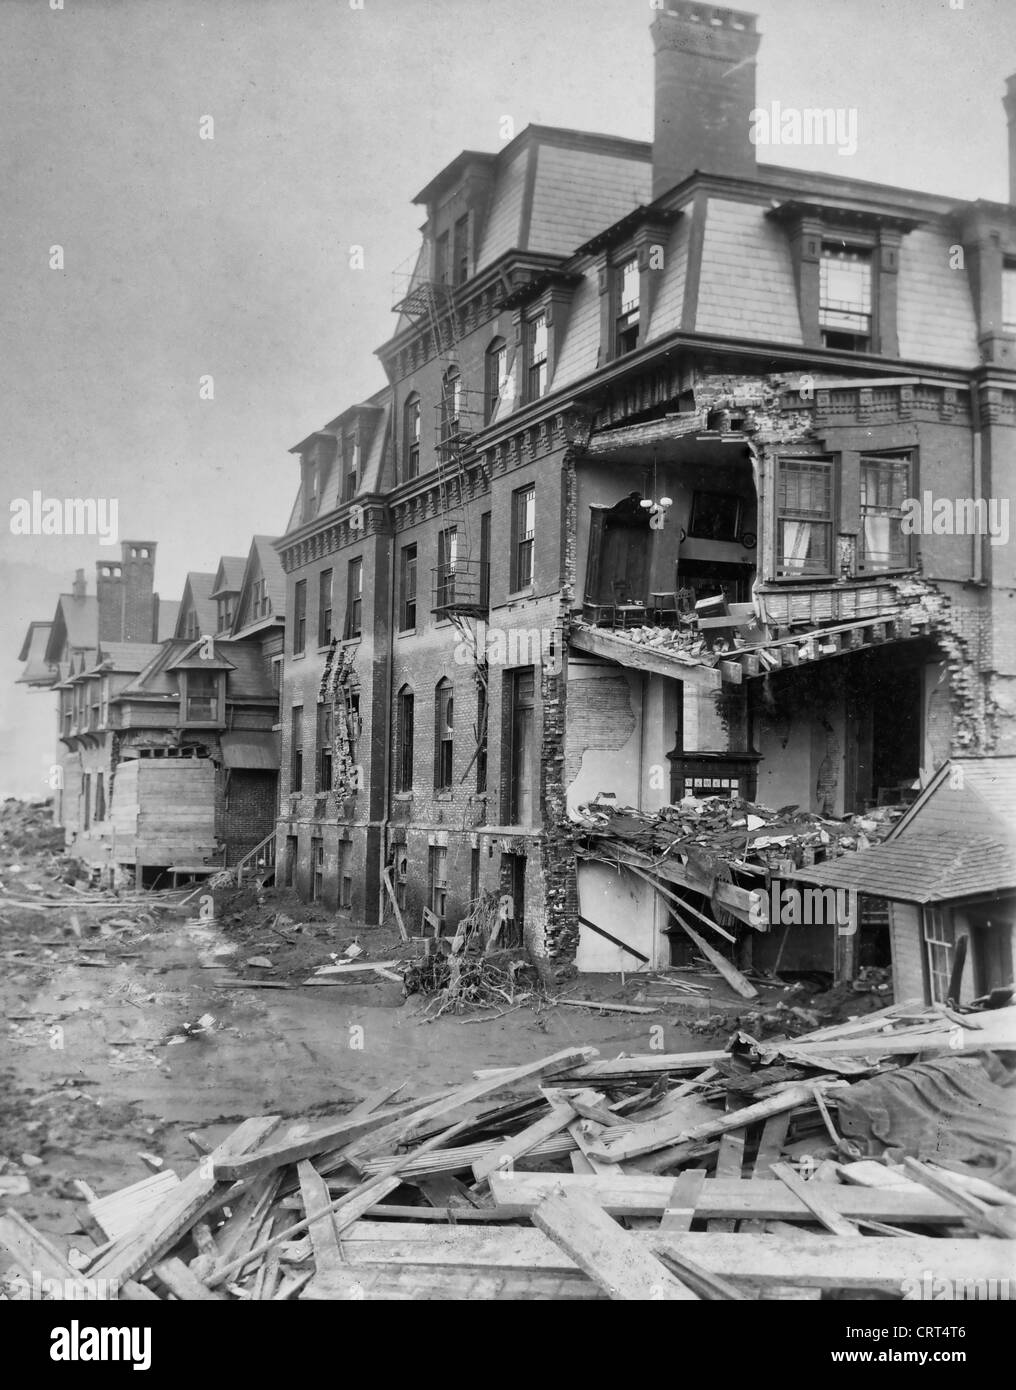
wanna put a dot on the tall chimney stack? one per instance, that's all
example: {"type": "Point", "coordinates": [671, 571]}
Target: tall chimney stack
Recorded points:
{"type": "Point", "coordinates": [1009, 102]}
{"type": "Point", "coordinates": [78, 587]}
{"type": "Point", "coordinates": [109, 592]}
{"type": "Point", "coordinates": [139, 619]}
{"type": "Point", "coordinates": [705, 92]}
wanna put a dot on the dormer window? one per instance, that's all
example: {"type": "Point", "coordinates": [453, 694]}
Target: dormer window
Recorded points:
{"type": "Point", "coordinates": [496, 377]}
{"type": "Point", "coordinates": [626, 317]}
{"type": "Point", "coordinates": [350, 466]}
{"type": "Point", "coordinates": [536, 357]}
{"type": "Point", "coordinates": [411, 443]}
{"type": "Point", "coordinates": [225, 611]}
{"type": "Point", "coordinates": [845, 300]}
{"type": "Point", "coordinates": [441, 268]}
{"type": "Point", "coordinates": [261, 604]}
{"type": "Point", "coordinates": [202, 697]}
{"type": "Point", "coordinates": [1009, 296]}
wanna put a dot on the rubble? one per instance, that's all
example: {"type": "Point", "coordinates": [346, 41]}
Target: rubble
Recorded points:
{"type": "Point", "coordinates": [710, 1174]}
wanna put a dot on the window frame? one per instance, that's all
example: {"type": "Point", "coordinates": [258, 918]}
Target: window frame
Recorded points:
{"type": "Point", "coordinates": [188, 696]}
{"type": "Point", "coordinates": [300, 617]}
{"type": "Point", "coordinates": [412, 417]}
{"type": "Point", "coordinates": [537, 369]}
{"type": "Point", "coordinates": [523, 541]}
{"type": "Point", "coordinates": [350, 458]}
{"type": "Point", "coordinates": [354, 599]}
{"type": "Point", "coordinates": [867, 251]}
{"type": "Point", "coordinates": [1008, 309]}
{"type": "Point", "coordinates": [408, 569]}
{"type": "Point", "coordinates": [801, 516]}
{"type": "Point", "coordinates": [894, 513]}
{"type": "Point", "coordinates": [296, 749]}
{"type": "Point", "coordinates": [444, 735]}
{"type": "Point", "coordinates": [326, 600]}
{"type": "Point", "coordinates": [324, 763]}
{"type": "Point", "coordinates": [621, 318]}
{"type": "Point", "coordinates": [405, 735]}
{"type": "Point", "coordinates": [494, 379]}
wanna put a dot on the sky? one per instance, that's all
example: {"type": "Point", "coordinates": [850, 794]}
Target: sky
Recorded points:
{"type": "Point", "coordinates": [186, 258]}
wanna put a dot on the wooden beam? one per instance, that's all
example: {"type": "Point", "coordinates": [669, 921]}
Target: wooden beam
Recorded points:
{"type": "Point", "coordinates": [685, 1195]}
{"type": "Point", "coordinates": [641, 657]}
{"type": "Point", "coordinates": [502, 1156]}
{"type": "Point", "coordinates": [387, 880]}
{"type": "Point", "coordinates": [625, 1269]}
{"type": "Point", "coordinates": [730, 973]}
{"type": "Point", "coordinates": [317, 1202]}
{"type": "Point", "coordinates": [814, 1201]}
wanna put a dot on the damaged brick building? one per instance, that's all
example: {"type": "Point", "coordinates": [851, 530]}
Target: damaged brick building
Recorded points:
{"type": "Point", "coordinates": [628, 515]}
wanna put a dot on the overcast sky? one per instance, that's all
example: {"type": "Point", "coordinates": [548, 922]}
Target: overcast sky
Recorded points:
{"type": "Point", "coordinates": [229, 257]}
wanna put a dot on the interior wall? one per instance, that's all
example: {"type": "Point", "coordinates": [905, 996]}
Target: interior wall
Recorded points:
{"type": "Point", "coordinates": [603, 738]}
{"type": "Point", "coordinates": [626, 907]}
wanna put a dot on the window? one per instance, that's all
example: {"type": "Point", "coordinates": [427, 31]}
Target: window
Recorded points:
{"type": "Point", "coordinates": [437, 872]}
{"type": "Point", "coordinates": [536, 357]}
{"type": "Point", "coordinates": [485, 560]}
{"type": "Point", "coordinates": [885, 484]}
{"type": "Point", "coordinates": [804, 518]}
{"type": "Point", "coordinates": [202, 697]}
{"type": "Point", "coordinates": [300, 617]}
{"type": "Point", "coordinates": [495, 377]}
{"type": "Point", "coordinates": [441, 269]}
{"type": "Point", "coordinates": [277, 686]}
{"type": "Point", "coordinates": [451, 404]}
{"type": "Point", "coordinates": [481, 736]}
{"type": "Point", "coordinates": [262, 604]}
{"type": "Point", "coordinates": [460, 250]}
{"type": "Point", "coordinates": [520, 738]}
{"type": "Point", "coordinates": [354, 598]}
{"type": "Point", "coordinates": [715, 516]}
{"type": "Point", "coordinates": [523, 532]}
{"type": "Point", "coordinates": [317, 859]}
{"type": "Point", "coordinates": [190, 627]}
{"type": "Point", "coordinates": [350, 463]}
{"type": "Point", "coordinates": [412, 437]}
{"type": "Point", "coordinates": [939, 939]}
{"type": "Point", "coordinates": [225, 614]}
{"type": "Point", "coordinates": [844, 313]}
{"type": "Point", "coordinates": [353, 725]}
{"type": "Point", "coordinates": [345, 873]}
{"type": "Point", "coordinates": [93, 710]}
{"type": "Point", "coordinates": [323, 777]}
{"type": "Point", "coordinates": [474, 875]}
{"type": "Point", "coordinates": [324, 608]}
{"type": "Point", "coordinates": [86, 800]}
{"type": "Point", "coordinates": [407, 588]}
{"type": "Point", "coordinates": [444, 709]}
{"type": "Point", "coordinates": [311, 487]}
{"type": "Point", "coordinates": [404, 742]}
{"type": "Point", "coordinates": [447, 559]}
{"type": "Point", "coordinates": [1009, 297]}
{"type": "Point", "coordinates": [100, 797]}
{"type": "Point", "coordinates": [626, 320]}
{"type": "Point", "coordinates": [296, 749]}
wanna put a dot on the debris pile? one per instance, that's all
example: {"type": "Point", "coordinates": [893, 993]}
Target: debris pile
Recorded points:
{"type": "Point", "coordinates": [788, 1169]}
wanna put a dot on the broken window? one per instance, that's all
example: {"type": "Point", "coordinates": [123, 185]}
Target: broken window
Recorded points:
{"type": "Point", "coordinates": [407, 589]}
{"type": "Point", "coordinates": [844, 313]}
{"type": "Point", "coordinates": [438, 885]}
{"type": "Point", "coordinates": [354, 598]}
{"type": "Point", "coordinates": [444, 708]}
{"type": "Point", "coordinates": [496, 377]}
{"type": "Point", "coordinates": [523, 533]}
{"type": "Point", "coordinates": [202, 697]}
{"type": "Point", "coordinates": [447, 559]}
{"type": "Point", "coordinates": [626, 323]}
{"type": "Point", "coordinates": [325, 608]}
{"type": "Point", "coordinates": [885, 485]}
{"type": "Point", "coordinates": [804, 518]}
{"type": "Point", "coordinates": [536, 357]}
{"type": "Point", "coordinates": [404, 742]}
{"type": "Point", "coordinates": [411, 442]}
{"type": "Point", "coordinates": [350, 464]}
{"type": "Point", "coordinates": [325, 746]}
{"type": "Point", "coordinates": [300, 617]}
{"type": "Point", "coordinates": [939, 940]}
{"type": "Point", "coordinates": [522, 702]}
{"type": "Point", "coordinates": [296, 749]}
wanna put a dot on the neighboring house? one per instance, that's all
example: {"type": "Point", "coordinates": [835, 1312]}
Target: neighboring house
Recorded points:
{"type": "Point", "coordinates": [487, 621]}
{"type": "Point", "coordinates": [948, 871]}
{"type": "Point", "coordinates": [169, 748]}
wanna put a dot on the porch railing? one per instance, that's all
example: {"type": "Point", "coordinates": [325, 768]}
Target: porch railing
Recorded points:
{"type": "Point", "coordinates": [258, 860]}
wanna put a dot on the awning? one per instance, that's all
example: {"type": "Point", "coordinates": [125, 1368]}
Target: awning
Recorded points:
{"type": "Point", "coordinates": [250, 752]}
{"type": "Point", "coordinates": [921, 868]}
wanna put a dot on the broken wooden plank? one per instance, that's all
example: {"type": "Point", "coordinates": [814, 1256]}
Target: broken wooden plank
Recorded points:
{"type": "Point", "coordinates": [998, 1221]}
{"type": "Point", "coordinates": [180, 1280]}
{"type": "Point", "coordinates": [814, 1201]}
{"type": "Point", "coordinates": [393, 899]}
{"type": "Point", "coordinates": [685, 1195]}
{"type": "Point", "coordinates": [730, 973]}
{"type": "Point", "coordinates": [637, 1194]}
{"type": "Point", "coordinates": [504, 1154]}
{"type": "Point", "coordinates": [157, 1234]}
{"type": "Point", "coordinates": [729, 1158]}
{"type": "Point", "coordinates": [701, 1280]}
{"type": "Point", "coordinates": [880, 1263]}
{"type": "Point", "coordinates": [35, 1255]}
{"type": "Point", "coordinates": [317, 1203]}
{"type": "Point", "coordinates": [608, 1008]}
{"type": "Point", "coordinates": [623, 1268]}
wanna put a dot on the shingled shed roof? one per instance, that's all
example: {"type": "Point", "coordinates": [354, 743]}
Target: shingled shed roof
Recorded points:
{"type": "Point", "coordinates": [922, 868]}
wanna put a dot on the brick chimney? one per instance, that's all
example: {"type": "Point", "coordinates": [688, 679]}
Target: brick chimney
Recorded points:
{"type": "Point", "coordinates": [109, 592]}
{"type": "Point", "coordinates": [1009, 102]}
{"type": "Point", "coordinates": [139, 611]}
{"type": "Point", "coordinates": [705, 92]}
{"type": "Point", "coordinates": [125, 590]}
{"type": "Point", "coordinates": [78, 587]}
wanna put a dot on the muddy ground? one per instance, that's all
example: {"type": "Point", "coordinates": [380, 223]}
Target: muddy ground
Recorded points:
{"type": "Point", "coordinates": [120, 1041]}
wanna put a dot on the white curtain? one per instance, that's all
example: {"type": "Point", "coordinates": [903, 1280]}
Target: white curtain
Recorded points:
{"type": "Point", "coordinates": [876, 541]}
{"type": "Point", "coordinates": [796, 544]}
